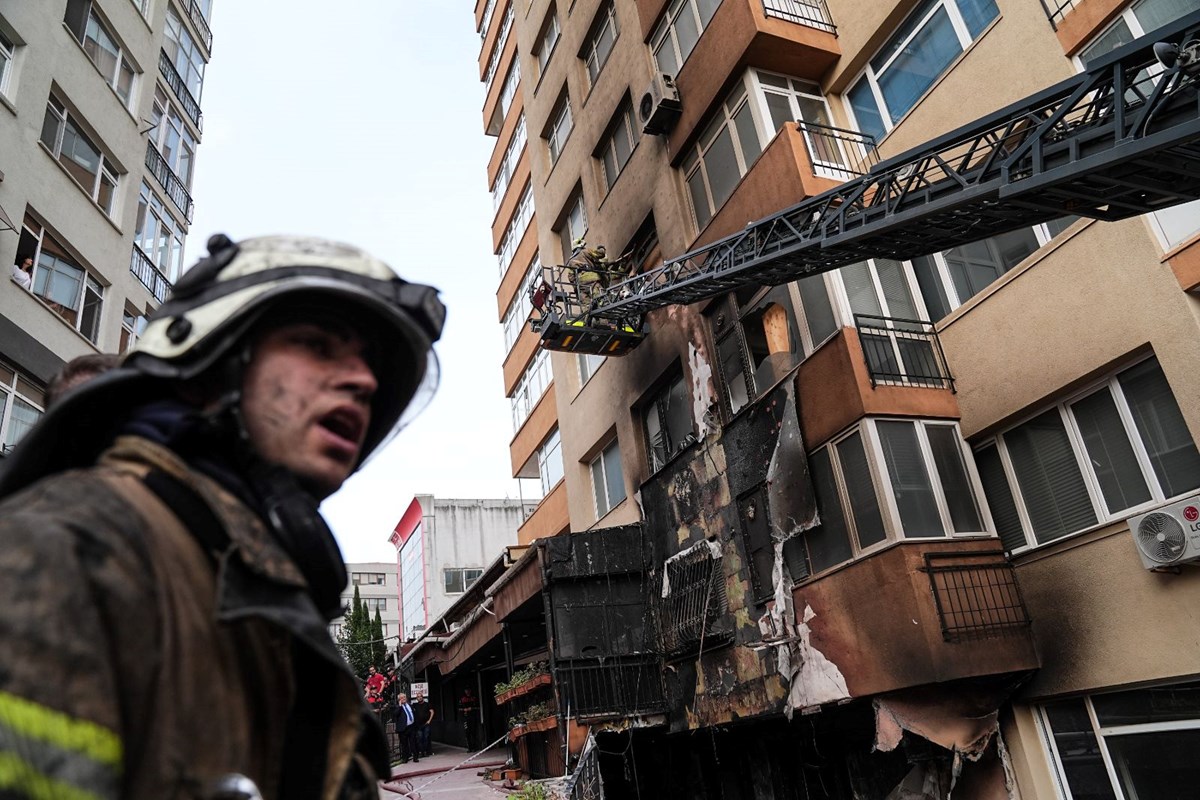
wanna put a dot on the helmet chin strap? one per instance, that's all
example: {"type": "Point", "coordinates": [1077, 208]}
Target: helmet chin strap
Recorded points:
{"type": "Point", "coordinates": [290, 511]}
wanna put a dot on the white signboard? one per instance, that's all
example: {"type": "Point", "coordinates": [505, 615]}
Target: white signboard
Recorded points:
{"type": "Point", "coordinates": [421, 688]}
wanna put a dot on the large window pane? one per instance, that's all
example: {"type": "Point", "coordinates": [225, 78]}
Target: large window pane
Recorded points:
{"type": "Point", "coordinates": [1055, 494]}
{"type": "Point", "coordinates": [1078, 750]}
{"type": "Point", "coordinates": [721, 165]}
{"type": "Point", "coordinates": [977, 14]}
{"type": "Point", "coordinates": [24, 416]}
{"type": "Point", "coordinates": [1109, 451]}
{"type": "Point", "coordinates": [1162, 428]}
{"type": "Point", "coordinates": [860, 289]}
{"type": "Point", "coordinates": [730, 353]}
{"type": "Point", "coordinates": [828, 543]}
{"type": "Point", "coordinates": [818, 312]}
{"type": "Point", "coordinates": [864, 502]}
{"type": "Point", "coordinates": [1000, 499]}
{"type": "Point", "coordinates": [1160, 764]}
{"type": "Point", "coordinates": [932, 290]}
{"type": "Point", "coordinates": [866, 111]}
{"type": "Point", "coordinates": [614, 478]}
{"type": "Point", "coordinates": [920, 63]}
{"type": "Point", "coordinates": [910, 480]}
{"type": "Point", "coordinates": [952, 472]}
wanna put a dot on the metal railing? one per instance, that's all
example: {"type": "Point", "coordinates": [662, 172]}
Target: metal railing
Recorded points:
{"type": "Point", "coordinates": [201, 23]}
{"type": "Point", "coordinates": [191, 106]}
{"type": "Point", "coordinates": [903, 352]}
{"type": "Point", "coordinates": [616, 687]}
{"type": "Point", "coordinates": [170, 182]}
{"type": "Point", "coordinates": [976, 594]}
{"type": "Point", "coordinates": [813, 13]}
{"type": "Point", "coordinates": [695, 600]}
{"type": "Point", "coordinates": [141, 266]}
{"type": "Point", "coordinates": [585, 782]}
{"type": "Point", "coordinates": [837, 152]}
{"type": "Point", "coordinates": [1056, 10]}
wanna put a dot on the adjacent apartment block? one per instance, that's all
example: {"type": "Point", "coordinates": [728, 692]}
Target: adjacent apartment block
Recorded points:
{"type": "Point", "coordinates": [442, 547]}
{"type": "Point", "coordinates": [866, 533]}
{"type": "Point", "coordinates": [99, 124]}
{"type": "Point", "coordinates": [378, 587]}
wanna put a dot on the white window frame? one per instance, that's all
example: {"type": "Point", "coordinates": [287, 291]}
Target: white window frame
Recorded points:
{"type": "Point", "coordinates": [8, 54]}
{"type": "Point", "coordinates": [551, 469]}
{"type": "Point", "coordinates": [105, 173]}
{"type": "Point", "coordinates": [508, 93]}
{"type": "Point", "coordinates": [498, 50]}
{"type": "Point", "coordinates": [487, 18]}
{"type": "Point", "coordinates": [508, 164]}
{"type": "Point", "coordinates": [170, 129]}
{"type": "Point", "coordinates": [461, 574]}
{"type": "Point", "coordinates": [188, 58]}
{"type": "Point", "coordinates": [11, 391]}
{"type": "Point", "coordinates": [548, 40]}
{"type": "Point", "coordinates": [158, 234]}
{"type": "Point", "coordinates": [871, 75]}
{"type": "Point", "coordinates": [531, 387]}
{"type": "Point", "coordinates": [122, 62]}
{"type": "Point", "coordinates": [666, 36]}
{"type": "Point", "coordinates": [89, 284]}
{"type": "Point", "coordinates": [574, 225]}
{"type": "Point", "coordinates": [560, 127]}
{"type": "Point", "coordinates": [515, 232]}
{"type": "Point", "coordinates": [133, 325]}
{"type": "Point", "coordinates": [414, 594]}
{"type": "Point", "coordinates": [1079, 449]}
{"type": "Point", "coordinates": [593, 60]}
{"type": "Point", "coordinates": [623, 124]}
{"type": "Point", "coordinates": [521, 306]}
{"type": "Point", "coordinates": [375, 603]}
{"type": "Point", "coordinates": [598, 463]}
{"type": "Point", "coordinates": [588, 364]}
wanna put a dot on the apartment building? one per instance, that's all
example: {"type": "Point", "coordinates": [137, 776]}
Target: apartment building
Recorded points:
{"type": "Point", "coordinates": [378, 586]}
{"type": "Point", "coordinates": [100, 121]}
{"type": "Point", "coordinates": [866, 533]}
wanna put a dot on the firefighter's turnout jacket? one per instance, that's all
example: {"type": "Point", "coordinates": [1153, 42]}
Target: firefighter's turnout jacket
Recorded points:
{"type": "Point", "coordinates": [137, 662]}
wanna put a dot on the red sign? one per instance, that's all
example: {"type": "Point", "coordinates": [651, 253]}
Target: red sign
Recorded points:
{"type": "Point", "coordinates": [1191, 514]}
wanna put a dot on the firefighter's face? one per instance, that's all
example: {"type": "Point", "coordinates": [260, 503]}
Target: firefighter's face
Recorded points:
{"type": "Point", "coordinates": [306, 399]}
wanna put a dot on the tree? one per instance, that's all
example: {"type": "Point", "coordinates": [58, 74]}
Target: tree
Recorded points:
{"type": "Point", "coordinates": [378, 645]}
{"type": "Point", "coordinates": [354, 640]}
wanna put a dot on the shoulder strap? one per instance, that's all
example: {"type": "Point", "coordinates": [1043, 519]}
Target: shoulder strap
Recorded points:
{"type": "Point", "coordinates": [192, 511]}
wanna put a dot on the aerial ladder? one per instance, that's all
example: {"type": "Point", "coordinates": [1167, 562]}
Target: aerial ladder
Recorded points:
{"type": "Point", "coordinates": [1121, 139]}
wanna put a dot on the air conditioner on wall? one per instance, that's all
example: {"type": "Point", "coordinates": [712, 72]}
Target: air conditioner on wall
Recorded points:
{"type": "Point", "coordinates": [1168, 536]}
{"type": "Point", "coordinates": [659, 108]}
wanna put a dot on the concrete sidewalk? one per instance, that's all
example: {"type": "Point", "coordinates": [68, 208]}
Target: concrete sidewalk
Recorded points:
{"type": "Point", "coordinates": [447, 773]}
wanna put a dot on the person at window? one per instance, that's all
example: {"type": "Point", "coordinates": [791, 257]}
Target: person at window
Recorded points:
{"type": "Point", "coordinates": [23, 273]}
{"type": "Point", "coordinates": [77, 371]}
{"type": "Point", "coordinates": [422, 718]}
{"type": "Point", "coordinates": [179, 552]}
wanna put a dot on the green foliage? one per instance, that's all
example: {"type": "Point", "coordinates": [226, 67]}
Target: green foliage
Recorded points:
{"type": "Point", "coordinates": [354, 640]}
{"type": "Point", "coordinates": [378, 645]}
{"type": "Point", "coordinates": [522, 675]}
{"type": "Point", "coordinates": [530, 791]}
{"type": "Point", "coordinates": [532, 714]}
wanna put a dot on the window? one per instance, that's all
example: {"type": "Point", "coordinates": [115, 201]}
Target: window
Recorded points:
{"type": "Point", "coordinates": [608, 482]}
{"type": "Point", "coordinates": [530, 388]}
{"type": "Point", "coordinates": [753, 112]}
{"type": "Point", "coordinates": [749, 326]}
{"type": "Point", "coordinates": [508, 93]}
{"type": "Point", "coordinates": [1097, 457]}
{"type": "Point", "coordinates": [368, 579]}
{"type": "Point", "coordinates": [617, 143]}
{"type": "Point", "coordinates": [508, 165]}
{"type": "Point", "coordinates": [679, 31]}
{"type": "Point", "coordinates": [923, 48]}
{"type": "Point", "coordinates": [498, 49]}
{"type": "Point", "coordinates": [573, 226]}
{"type": "Point", "coordinates": [171, 138]}
{"type": "Point", "coordinates": [547, 40]}
{"type": "Point", "coordinates": [789, 100]}
{"type": "Point", "coordinates": [412, 582]}
{"type": "Point", "coordinates": [667, 422]}
{"type": "Point", "coordinates": [21, 406]}
{"type": "Point", "coordinates": [600, 40]}
{"type": "Point", "coordinates": [515, 231]}
{"type": "Point", "coordinates": [1181, 222]}
{"type": "Point", "coordinates": [459, 579]}
{"type": "Point", "coordinates": [69, 289]}
{"type": "Point", "coordinates": [560, 126]}
{"type": "Point", "coordinates": [890, 479]}
{"type": "Point", "coordinates": [550, 464]}
{"type": "Point", "coordinates": [94, 172]}
{"type": "Point", "coordinates": [518, 311]}
{"type": "Point", "coordinates": [7, 53]}
{"type": "Point", "coordinates": [375, 603]}
{"type": "Point", "coordinates": [101, 47]}
{"type": "Point", "coordinates": [588, 364]}
{"type": "Point", "coordinates": [487, 18]}
{"type": "Point", "coordinates": [184, 54]}
{"type": "Point", "coordinates": [158, 235]}
{"type": "Point", "coordinates": [1126, 745]}
{"type": "Point", "coordinates": [133, 325]}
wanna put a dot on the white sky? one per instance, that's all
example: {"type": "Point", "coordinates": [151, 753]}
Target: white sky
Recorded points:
{"type": "Point", "coordinates": [362, 121]}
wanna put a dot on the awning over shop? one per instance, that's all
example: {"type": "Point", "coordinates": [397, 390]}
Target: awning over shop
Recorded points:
{"type": "Point", "coordinates": [520, 583]}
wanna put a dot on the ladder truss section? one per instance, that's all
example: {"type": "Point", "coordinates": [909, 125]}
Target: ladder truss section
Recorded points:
{"type": "Point", "coordinates": [1119, 140]}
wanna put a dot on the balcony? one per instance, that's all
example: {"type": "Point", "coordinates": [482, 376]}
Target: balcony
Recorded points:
{"type": "Point", "coordinates": [170, 182]}
{"type": "Point", "coordinates": [141, 266]}
{"type": "Point", "coordinates": [201, 24]}
{"type": "Point", "coordinates": [920, 613]}
{"type": "Point", "coordinates": [813, 13]}
{"type": "Point", "coordinates": [902, 352]}
{"type": "Point", "coordinates": [191, 106]}
{"type": "Point", "coordinates": [1056, 10]}
{"type": "Point", "coordinates": [838, 153]}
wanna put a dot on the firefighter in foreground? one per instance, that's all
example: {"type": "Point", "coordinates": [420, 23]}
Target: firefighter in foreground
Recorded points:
{"type": "Point", "coordinates": [166, 581]}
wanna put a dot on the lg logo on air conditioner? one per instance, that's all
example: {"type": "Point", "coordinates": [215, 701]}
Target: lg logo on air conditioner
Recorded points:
{"type": "Point", "coordinates": [1191, 514]}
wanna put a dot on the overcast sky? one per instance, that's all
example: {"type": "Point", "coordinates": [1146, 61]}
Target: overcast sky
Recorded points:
{"type": "Point", "coordinates": [362, 121]}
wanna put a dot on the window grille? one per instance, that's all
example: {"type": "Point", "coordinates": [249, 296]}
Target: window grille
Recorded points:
{"type": "Point", "coordinates": [693, 599]}
{"type": "Point", "coordinates": [976, 595]}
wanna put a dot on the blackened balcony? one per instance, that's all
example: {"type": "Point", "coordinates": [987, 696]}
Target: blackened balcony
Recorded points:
{"type": "Point", "coordinates": [838, 153]}
{"type": "Point", "coordinates": [201, 24]}
{"type": "Point", "coordinates": [170, 182]}
{"type": "Point", "coordinates": [903, 352]}
{"type": "Point", "coordinates": [191, 106]}
{"type": "Point", "coordinates": [813, 13]}
{"type": "Point", "coordinates": [976, 594]}
{"type": "Point", "coordinates": [141, 266]}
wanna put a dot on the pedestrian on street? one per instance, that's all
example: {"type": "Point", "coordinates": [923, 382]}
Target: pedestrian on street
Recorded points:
{"type": "Point", "coordinates": [159, 525]}
{"type": "Point", "coordinates": [423, 715]}
{"type": "Point", "coordinates": [468, 706]}
{"type": "Point", "coordinates": [406, 729]}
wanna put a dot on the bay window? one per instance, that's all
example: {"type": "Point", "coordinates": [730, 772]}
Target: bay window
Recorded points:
{"type": "Point", "coordinates": [171, 138]}
{"type": "Point", "coordinates": [916, 55]}
{"type": "Point", "coordinates": [1100, 456]}
{"type": "Point", "coordinates": [521, 306]}
{"type": "Point", "coordinates": [158, 235]}
{"type": "Point", "coordinates": [749, 326]}
{"type": "Point", "coordinates": [515, 230]}
{"type": "Point", "coordinates": [530, 387]}
{"type": "Point", "coordinates": [508, 165]}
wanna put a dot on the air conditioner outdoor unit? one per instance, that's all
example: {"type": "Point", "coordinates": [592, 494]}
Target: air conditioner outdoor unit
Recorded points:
{"type": "Point", "coordinates": [659, 108]}
{"type": "Point", "coordinates": [1168, 536]}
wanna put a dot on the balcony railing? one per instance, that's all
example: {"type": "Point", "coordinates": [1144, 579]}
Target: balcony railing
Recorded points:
{"type": "Point", "coordinates": [903, 352]}
{"type": "Point", "coordinates": [141, 266]}
{"type": "Point", "coordinates": [696, 599]}
{"type": "Point", "coordinates": [1056, 10]}
{"type": "Point", "coordinates": [191, 106]}
{"type": "Point", "coordinates": [838, 153]}
{"type": "Point", "coordinates": [610, 687]}
{"type": "Point", "coordinates": [813, 13]}
{"type": "Point", "coordinates": [201, 23]}
{"type": "Point", "coordinates": [976, 594]}
{"type": "Point", "coordinates": [170, 182]}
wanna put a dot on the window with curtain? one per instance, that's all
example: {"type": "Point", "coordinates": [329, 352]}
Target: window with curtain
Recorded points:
{"type": "Point", "coordinates": [1102, 456]}
{"type": "Point", "coordinates": [916, 55]}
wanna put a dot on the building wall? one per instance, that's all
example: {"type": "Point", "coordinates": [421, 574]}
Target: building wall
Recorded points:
{"type": "Point", "coordinates": [360, 575]}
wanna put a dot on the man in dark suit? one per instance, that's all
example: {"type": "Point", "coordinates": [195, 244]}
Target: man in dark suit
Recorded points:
{"type": "Point", "coordinates": [406, 729]}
